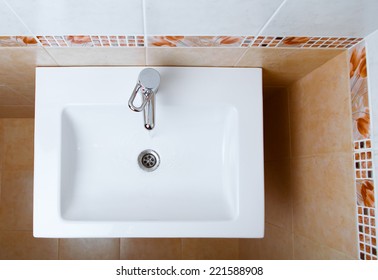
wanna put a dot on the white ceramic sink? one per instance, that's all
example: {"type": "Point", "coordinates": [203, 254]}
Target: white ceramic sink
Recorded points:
{"type": "Point", "coordinates": [208, 136]}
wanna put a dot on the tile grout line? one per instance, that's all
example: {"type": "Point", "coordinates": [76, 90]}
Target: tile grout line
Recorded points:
{"type": "Point", "coordinates": [119, 248]}
{"type": "Point", "coordinates": [241, 57]}
{"type": "Point", "coordinates": [58, 248]}
{"type": "Point", "coordinates": [271, 18]}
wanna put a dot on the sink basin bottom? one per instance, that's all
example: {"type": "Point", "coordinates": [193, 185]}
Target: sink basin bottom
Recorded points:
{"type": "Point", "coordinates": [102, 181]}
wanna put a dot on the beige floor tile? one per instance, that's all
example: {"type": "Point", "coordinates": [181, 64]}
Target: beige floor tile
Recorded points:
{"type": "Point", "coordinates": [21, 245]}
{"type": "Point", "coordinates": [24, 89]}
{"type": "Point", "coordinates": [210, 249]}
{"type": "Point", "coordinates": [1, 151]}
{"type": "Point", "coordinates": [16, 201]}
{"type": "Point", "coordinates": [150, 248]}
{"type": "Point", "coordinates": [18, 144]}
{"type": "Point", "coordinates": [278, 205]}
{"type": "Point", "coordinates": [89, 249]}
{"type": "Point", "coordinates": [276, 245]}
{"type": "Point", "coordinates": [16, 111]}
{"type": "Point", "coordinates": [194, 56]}
{"type": "Point", "coordinates": [10, 97]}
{"type": "Point", "coordinates": [324, 201]}
{"type": "Point", "coordinates": [276, 123]}
{"type": "Point", "coordinates": [320, 112]}
{"type": "Point", "coordinates": [283, 66]}
{"type": "Point", "coordinates": [306, 249]}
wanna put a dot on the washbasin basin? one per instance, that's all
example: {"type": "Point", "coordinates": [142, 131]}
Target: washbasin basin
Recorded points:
{"type": "Point", "coordinates": [100, 173]}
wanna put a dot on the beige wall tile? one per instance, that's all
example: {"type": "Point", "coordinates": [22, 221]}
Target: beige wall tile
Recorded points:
{"type": "Point", "coordinates": [18, 64]}
{"type": "Point", "coordinates": [150, 248]}
{"type": "Point", "coordinates": [17, 111]}
{"type": "Point", "coordinates": [276, 123]}
{"type": "Point", "coordinates": [284, 66]}
{"type": "Point", "coordinates": [276, 245]}
{"type": "Point", "coordinates": [210, 249]}
{"type": "Point", "coordinates": [27, 90]}
{"type": "Point", "coordinates": [324, 201]}
{"type": "Point", "coordinates": [306, 249]}
{"type": "Point", "coordinates": [278, 206]}
{"type": "Point", "coordinates": [89, 249]}
{"type": "Point", "coordinates": [18, 144]}
{"type": "Point", "coordinates": [194, 56]}
{"type": "Point", "coordinates": [16, 201]}
{"type": "Point", "coordinates": [11, 97]}
{"type": "Point", "coordinates": [1, 152]}
{"type": "Point", "coordinates": [21, 245]}
{"type": "Point", "coordinates": [320, 113]}
{"type": "Point", "coordinates": [98, 56]}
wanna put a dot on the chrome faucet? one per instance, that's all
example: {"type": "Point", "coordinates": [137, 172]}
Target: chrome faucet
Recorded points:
{"type": "Point", "coordinates": [148, 84]}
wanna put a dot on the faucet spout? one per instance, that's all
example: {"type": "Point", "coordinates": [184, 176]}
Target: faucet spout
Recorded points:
{"type": "Point", "coordinates": [149, 113]}
{"type": "Point", "coordinates": [148, 84]}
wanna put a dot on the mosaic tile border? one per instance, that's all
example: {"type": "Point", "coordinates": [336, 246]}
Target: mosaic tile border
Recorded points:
{"type": "Point", "coordinates": [253, 41]}
{"type": "Point", "coordinates": [367, 233]}
{"type": "Point", "coordinates": [91, 41]}
{"type": "Point", "coordinates": [364, 173]}
{"type": "Point", "coordinates": [179, 41]}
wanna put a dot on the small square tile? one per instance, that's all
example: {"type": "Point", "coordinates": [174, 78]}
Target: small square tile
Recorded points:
{"type": "Point", "coordinates": [367, 249]}
{"type": "Point", "coordinates": [367, 239]}
{"type": "Point", "coordinates": [361, 237]}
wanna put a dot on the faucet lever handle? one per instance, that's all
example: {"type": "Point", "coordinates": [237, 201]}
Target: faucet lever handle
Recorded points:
{"type": "Point", "coordinates": [146, 97]}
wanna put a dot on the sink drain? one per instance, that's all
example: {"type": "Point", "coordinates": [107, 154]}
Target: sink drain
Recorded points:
{"type": "Point", "coordinates": [148, 160]}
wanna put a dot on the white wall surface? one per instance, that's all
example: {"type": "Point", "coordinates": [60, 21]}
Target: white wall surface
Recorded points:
{"type": "Point", "coordinates": [349, 18]}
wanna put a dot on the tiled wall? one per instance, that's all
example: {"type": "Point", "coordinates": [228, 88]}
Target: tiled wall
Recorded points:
{"type": "Point", "coordinates": [301, 185]}
{"type": "Point", "coordinates": [310, 208]}
{"type": "Point", "coordinates": [315, 158]}
{"type": "Point", "coordinates": [321, 18]}
{"type": "Point", "coordinates": [363, 152]}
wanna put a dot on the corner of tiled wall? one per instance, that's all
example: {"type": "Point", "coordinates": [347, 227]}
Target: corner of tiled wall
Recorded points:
{"type": "Point", "coordinates": [362, 99]}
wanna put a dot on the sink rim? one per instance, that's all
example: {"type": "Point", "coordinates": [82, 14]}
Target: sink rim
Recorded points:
{"type": "Point", "coordinates": [47, 222]}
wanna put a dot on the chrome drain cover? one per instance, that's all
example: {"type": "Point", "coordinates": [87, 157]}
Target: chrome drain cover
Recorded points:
{"type": "Point", "coordinates": [148, 160]}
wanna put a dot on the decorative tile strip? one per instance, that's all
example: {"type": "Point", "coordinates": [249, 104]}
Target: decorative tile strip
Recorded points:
{"type": "Point", "coordinates": [359, 92]}
{"type": "Point", "coordinates": [179, 41]}
{"type": "Point", "coordinates": [363, 154]}
{"type": "Point", "coordinates": [91, 41]}
{"type": "Point", "coordinates": [367, 233]}
{"type": "Point", "coordinates": [18, 41]}
{"type": "Point", "coordinates": [252, 41]}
